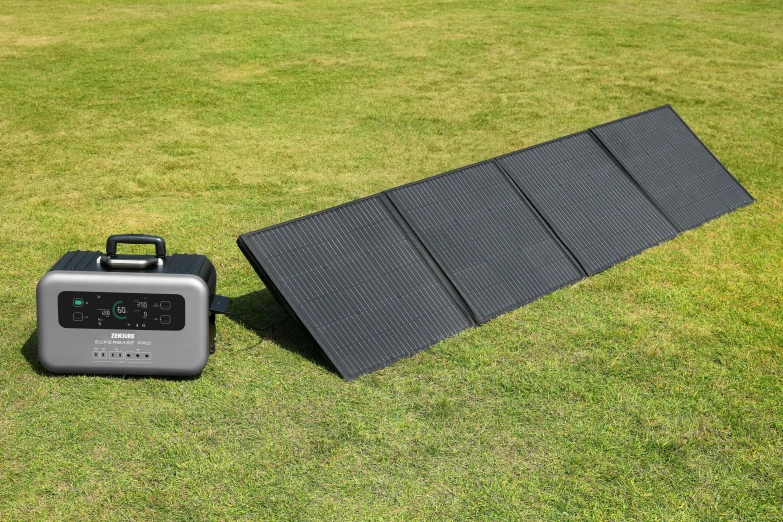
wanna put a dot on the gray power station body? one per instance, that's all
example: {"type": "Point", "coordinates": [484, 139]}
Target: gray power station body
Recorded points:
{"type": "Point", "coordinates": [127, 314]}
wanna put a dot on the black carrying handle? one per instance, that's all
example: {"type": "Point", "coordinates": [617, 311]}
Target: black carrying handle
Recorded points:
{"type": "Point", "coordinates": [135, 239]}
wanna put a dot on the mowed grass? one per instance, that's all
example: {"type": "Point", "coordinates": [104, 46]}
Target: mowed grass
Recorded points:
{"type": "Point", "coordinates": [651, 391]}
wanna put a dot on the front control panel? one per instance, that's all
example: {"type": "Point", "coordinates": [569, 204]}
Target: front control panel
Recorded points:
{"type": "Point", "coordinates": [121, 311]}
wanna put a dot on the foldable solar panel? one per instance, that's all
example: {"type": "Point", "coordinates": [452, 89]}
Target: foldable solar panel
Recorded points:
{"type": "Point", "coordinates": [358, 283]}
{"type": "Point", "coordinates": [681, 176]}
{"type": "Point", "coordinates": [592, 205]}
{"type": "Point", "coordinates": [386, 276]}
{"type": "Point", "coordinates": [485, 238]}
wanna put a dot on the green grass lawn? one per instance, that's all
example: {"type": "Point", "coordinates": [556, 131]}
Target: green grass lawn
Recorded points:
{"type": "Point", "coordinates": [652, 391]}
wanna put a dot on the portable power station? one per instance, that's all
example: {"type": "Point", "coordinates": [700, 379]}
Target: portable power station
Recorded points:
{"type": "Point", "coordinates": [128, 314]}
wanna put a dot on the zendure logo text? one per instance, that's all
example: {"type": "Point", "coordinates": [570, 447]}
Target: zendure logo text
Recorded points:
{"type": "Point", "coordinates": [122, 336]}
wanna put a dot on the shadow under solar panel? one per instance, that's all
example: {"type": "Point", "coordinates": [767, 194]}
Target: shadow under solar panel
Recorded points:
{"type": "Point", "coordinates": [679, 174]}
{"type": "Point", "coordinates": [358, 283]}
{"type": "Point", "coordinates": [586, 197]}
{"type": "Point", "coordinates": [485, 238]}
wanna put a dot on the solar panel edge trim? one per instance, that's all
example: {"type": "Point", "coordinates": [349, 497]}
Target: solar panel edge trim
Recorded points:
{"type": "Point", "coordinates": [629, 116]}
{"type": "Point", "coordinates": [543, 143]}
{"type": "Point", "coordinates": [312, 214]}
{"type": "Point", "coordinates": [439, 175]}
{"type": "Point", "coordinates": [596, 130]}
{"type": "Point", "coordinates": [733, 177]}
{"type": "Point", "coordinates": [262, 274]}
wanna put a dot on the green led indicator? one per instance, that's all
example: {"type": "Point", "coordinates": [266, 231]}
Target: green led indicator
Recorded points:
{"type": "Point", "coordinates": [77, 302]}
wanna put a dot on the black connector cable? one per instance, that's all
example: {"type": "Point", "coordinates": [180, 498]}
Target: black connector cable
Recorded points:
{"type": "Point", "coordinates": [219, 305]}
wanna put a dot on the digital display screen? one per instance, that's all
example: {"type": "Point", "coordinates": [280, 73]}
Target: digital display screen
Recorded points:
{"type": "Point", "coordinates": [121, 311]}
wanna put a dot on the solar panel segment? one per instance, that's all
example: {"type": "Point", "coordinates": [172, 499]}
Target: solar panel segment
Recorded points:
{"type": "Point", "coordinates": [679, 174]}
{"type": "Point", "coordinates": [357, 283]}
{"type": "Point", "coordinates": [592, 205]}
{"type": "Point", "coordinates": [485, 238]}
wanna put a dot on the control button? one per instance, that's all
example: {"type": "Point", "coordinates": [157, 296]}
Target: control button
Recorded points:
{"type": "Point", "coordinates": [165, 319]}
{"type": "Point", "coordinates": [78, 301]}
{"type": "Point", "coordinates": [165, 305]}
{"type": "Point", "coordinates": [78, 316]}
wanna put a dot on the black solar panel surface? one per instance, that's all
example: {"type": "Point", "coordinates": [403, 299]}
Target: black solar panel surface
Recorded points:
{"type": "Point", "coordinates": [593, 206]}
{"type": "Point", "coordinates": [384, 277]}
{"type": "Point", "coordinates": [676, 170]}
{"type": "Point", "coordinates": [485, 237]}
{"type": "Point", "coordinates": [358, 284]}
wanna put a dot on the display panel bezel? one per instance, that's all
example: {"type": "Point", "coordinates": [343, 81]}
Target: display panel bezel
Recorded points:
{"type": "Point", "coordinates": [121, 311]}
